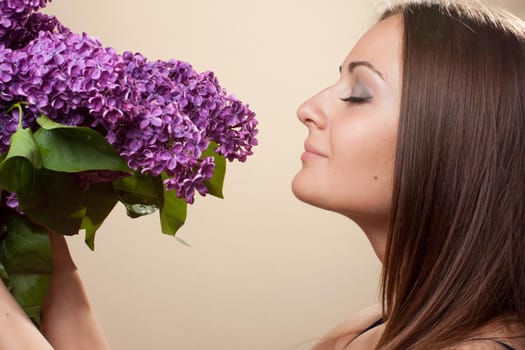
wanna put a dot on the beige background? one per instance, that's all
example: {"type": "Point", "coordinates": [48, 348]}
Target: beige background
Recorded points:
{"type": "Point", "coordinates": [264, 271]}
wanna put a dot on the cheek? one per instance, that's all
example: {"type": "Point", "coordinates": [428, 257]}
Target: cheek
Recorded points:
{"type": "Point", "coordinates": [363, 162]}
{"type": "Point", "coordinates": [365, 152]}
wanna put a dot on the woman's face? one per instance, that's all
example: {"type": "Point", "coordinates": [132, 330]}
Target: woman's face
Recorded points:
{"type": "Point", "coordinates": [352, 128]}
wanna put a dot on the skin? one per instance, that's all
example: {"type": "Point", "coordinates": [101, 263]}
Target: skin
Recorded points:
{"type": "Point", "coordinates": [349, 154]}
{"type": "Point", "coordinates": [69, 321]}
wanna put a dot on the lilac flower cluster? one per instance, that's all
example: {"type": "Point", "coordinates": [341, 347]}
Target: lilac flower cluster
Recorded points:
{"type": "Point", "coordinates": [20, 23]}
{"type": "Point", "coordinates": [160, 115]}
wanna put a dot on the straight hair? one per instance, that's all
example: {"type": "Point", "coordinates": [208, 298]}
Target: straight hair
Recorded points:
{"type": "Point", "coordinates": [455, 254]}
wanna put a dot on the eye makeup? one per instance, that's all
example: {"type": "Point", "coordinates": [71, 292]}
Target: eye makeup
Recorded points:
{"type": "Point", "coordinates": [359, 94]}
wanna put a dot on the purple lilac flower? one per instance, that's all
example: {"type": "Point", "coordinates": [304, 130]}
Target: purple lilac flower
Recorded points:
{"type": "Point", "coordinates": [20, 23]}
{"type": "Point", "coordinates": [159, 115]}
{"type": "Point", "coordinates": [186, 183]}
{"type": "Point", "coordinates": [12, 201]}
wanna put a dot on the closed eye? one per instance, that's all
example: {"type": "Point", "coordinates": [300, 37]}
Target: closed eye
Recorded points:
{"type": "Point", "coordinates": [356, 99]}
{"type": "Point", "coordinates": [359, 94]}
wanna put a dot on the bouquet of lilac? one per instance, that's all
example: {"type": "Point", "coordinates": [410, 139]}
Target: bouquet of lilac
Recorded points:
{"type": "Point", "coordinates": [83, 127]}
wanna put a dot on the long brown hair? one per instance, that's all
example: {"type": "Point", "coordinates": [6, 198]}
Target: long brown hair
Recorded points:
{"type": "Point", "coordinates": [455, 255]}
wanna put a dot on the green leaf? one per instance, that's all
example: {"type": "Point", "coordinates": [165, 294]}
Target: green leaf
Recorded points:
{"type": "Point", "coordinates": [29, 290]}
{"type": "Point", "coordinates": [54, 201]}
{"type": "Point", "coordinates": [99, 201]}
{"type": "Point", "coordinates": [23, 144]}
{"type": "Point", "coordinates": [17, 167]}
{"type": "Point", "coordinates": [25, 254]}
{"type": "Point", "coordinates": [16, 174]}
{"type": "Point", "coordinates": [216, 183]}
{"type": "Point", "coordinates": [4, 276]}
{"type": "Point", "coordinates": [139, 189]}
{"type": "Point", "coordinates": [172, 212]}
{"type": "Point", "coordinates": [74, 149]}
{"type": "Point", "coordinates": [140, 194]}
{"type": "Point", "coordinates": [25, 247]}
{"type": "Point", "coordinates": [143, 194]}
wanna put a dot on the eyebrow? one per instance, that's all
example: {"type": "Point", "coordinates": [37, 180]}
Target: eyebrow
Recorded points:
{"type": "Point", "coordinates": [353, 65]}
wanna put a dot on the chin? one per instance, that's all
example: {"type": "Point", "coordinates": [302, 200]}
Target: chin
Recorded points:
{"type": "Point", "coordinates": [307, 191]}
{"type": "Point", "coordinates": [299, 187]}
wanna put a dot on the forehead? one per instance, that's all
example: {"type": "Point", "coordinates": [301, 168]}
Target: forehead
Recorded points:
{"type": "Point", "coordinates": [382, 47]}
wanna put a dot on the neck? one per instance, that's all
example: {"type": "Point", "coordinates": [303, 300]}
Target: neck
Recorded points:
{"type": "Point", "coordinates": [376, 231]}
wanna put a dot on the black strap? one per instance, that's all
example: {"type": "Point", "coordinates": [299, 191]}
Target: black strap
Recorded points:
{"type": "Point", "coordinates": [508, 347]}
{"type": "Point", "coordinates": [373, 325]}
{"type": "Point", "coordinates": [380, 322]}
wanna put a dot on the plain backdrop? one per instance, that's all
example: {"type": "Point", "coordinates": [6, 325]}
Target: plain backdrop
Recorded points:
{"type": "Point", "coordinates": [264, 271]}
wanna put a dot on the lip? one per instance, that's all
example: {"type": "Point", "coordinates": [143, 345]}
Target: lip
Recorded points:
{"type": "Point", "coordinates": [311, 152]}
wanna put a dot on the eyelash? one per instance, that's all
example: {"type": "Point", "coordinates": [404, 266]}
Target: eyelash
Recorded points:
{"type": "Point", "coordinates": [356, 99]}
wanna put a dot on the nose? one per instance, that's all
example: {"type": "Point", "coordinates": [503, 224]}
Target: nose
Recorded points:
{"type": "Point", "coordinates": [311, 111]}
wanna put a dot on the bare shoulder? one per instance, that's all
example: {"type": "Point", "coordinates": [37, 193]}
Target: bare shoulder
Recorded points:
{"type": "Point", "coordinates": [359, 321]}
{"type": "Point", "coordinates": [348, 330]}
{"type": "Point", "coordinates": [343, 334]}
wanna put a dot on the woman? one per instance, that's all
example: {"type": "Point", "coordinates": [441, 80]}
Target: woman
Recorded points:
{"type": "Point", "coordinates": [422, 143]}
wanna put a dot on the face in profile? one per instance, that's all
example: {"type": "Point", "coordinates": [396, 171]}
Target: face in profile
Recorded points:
{"type": "Point", "coordinates": [348, 163]}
